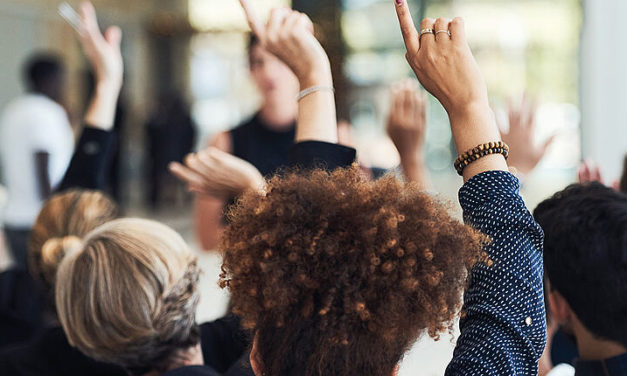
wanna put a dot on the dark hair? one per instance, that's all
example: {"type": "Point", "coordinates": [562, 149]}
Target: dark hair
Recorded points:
{"type": "Point", "coordinates": [43, 73]}
{"type": "Point", "coordinates": [585, 255]}
{"type": "Point", "coordinates": [338, 275]}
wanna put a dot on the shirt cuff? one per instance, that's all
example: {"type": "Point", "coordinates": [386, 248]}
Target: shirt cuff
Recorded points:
{"type": "Point", "coordinates": [317, 154]}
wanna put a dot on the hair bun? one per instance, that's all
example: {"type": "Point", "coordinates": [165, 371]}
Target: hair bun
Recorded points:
{"type": "Point", "coordinates": [54, 250]}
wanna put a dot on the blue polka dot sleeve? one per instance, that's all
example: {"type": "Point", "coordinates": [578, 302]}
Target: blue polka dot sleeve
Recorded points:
{"type": "Point", "coordinates": [503, 326]}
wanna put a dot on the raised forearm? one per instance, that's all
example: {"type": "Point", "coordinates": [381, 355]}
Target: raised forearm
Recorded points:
{"type": "Point", "coordinates": [415, 170]}
{"type": "Point", "coordinates": [474, 125]}
{"type": "Point", "coordinates": [101, 111]}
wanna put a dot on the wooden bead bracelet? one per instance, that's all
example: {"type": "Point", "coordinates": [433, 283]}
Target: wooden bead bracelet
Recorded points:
{"type": "Point", "coordinates": [494, 147]}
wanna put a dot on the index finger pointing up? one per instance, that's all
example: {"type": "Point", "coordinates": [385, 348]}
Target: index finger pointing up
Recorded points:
{"type": "Point", "coordinates": [408, 29]}
{"type": "Point", "coordinates": [253, 21]}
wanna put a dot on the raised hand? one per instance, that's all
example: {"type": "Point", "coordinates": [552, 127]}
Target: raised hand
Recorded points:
{"type": "Point", "coordinates": [407, 121]}
{"type": "Point", "coordinates": [289, 36]}
{"type": "Point", "coordinates": [105, 57]}
{"type": "Point", "coordinates": [524, 154]}
{"type": "Point", "coordinates": [218, 174]}
{"type": "Point", "coordinates": [103, 51]}
{"type": "Point", "coordinates": [589, 172]}
{"type": "Point", "coordinates": [444, 65]}
{"type": "Point", "coordinates": [407, 128]}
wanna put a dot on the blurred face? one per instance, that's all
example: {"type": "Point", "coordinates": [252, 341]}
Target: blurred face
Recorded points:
{"type": "Point", "coordinates": [275, 80]}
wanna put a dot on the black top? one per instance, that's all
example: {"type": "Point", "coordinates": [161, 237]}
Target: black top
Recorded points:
{"type": "Point", "coordinates": [266, 149]}
{"type": "Point", "coordinates": [317, 154]}
{"type": "Point", "coordinates": [192, 371]}
{"type": "Point", "coordinates": [223, 342]}
{"type": "Point", "coordinates": [21, 307]}
{"type": "Point", "coordinates": [616, 366]}
{"type": "Point", "coordinates": [88, 168]}
{"type": "Point", "coordinates": [50, 355]}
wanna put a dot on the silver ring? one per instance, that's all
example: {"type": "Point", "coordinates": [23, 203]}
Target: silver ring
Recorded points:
{"type": "Point", "coordinates": [427, 31]}
{"type": "Point", "coordinates": [443, 31]}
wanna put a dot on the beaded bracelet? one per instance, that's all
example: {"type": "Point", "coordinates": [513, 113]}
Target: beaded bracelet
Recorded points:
{"type": "Point", "coordinates": [495, 147]}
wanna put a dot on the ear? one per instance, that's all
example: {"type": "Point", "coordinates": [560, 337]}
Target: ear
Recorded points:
{"type": "Point", "coordinates": [395, 373]}
{"type": "Point", "coordinates": [254, 363]}
{"type": "Point", "coordinates": [560, 309]}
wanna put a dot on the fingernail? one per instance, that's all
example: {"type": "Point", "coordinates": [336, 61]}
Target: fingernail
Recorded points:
{"type": "Point", "coordinates": [399, 2]}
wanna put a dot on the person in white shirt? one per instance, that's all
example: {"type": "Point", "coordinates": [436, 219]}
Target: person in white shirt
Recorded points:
{"type": "Point", "coordinates": [36, 145]}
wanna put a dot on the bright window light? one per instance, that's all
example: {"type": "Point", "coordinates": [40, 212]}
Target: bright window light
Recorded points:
{"type": "Point", "coordinates": [221, 15]}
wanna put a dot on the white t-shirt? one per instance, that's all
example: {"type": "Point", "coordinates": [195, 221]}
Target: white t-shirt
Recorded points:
{"type": "Point", "coordinates": [32, 124]}
{"type": "Point", "coordinates": [562, 370]}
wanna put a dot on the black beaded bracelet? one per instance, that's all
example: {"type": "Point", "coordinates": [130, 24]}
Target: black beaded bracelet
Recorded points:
{"type": "Point", "coordinates": [494, 147]}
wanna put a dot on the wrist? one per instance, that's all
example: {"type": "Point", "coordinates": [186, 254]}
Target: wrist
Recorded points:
{"type": "Point", "coordinates": [469, 110]}
{"type": "Point", "coordinates": [472, 126]}
{"type": "Point", "coordinates": [108, 88]}
{"type": "Point", "coordinates": [320, 76]}
{"type": "Point", "coordinates": [412, 159]}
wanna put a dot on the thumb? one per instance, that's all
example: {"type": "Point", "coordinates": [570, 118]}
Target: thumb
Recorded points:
{"type": "Point", "coordinates": [113, 36]}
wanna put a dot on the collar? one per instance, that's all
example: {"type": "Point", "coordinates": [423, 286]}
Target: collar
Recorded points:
{"type": "Point", "coordinates": [607, 367]}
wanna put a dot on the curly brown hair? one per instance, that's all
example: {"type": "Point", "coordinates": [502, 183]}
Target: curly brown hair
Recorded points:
{"type": "Point", "coordinates": [337, 275]}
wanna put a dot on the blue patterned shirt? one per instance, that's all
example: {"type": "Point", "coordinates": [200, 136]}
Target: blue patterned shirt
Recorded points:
{"type": "Point", "coordinates": [503, 328]}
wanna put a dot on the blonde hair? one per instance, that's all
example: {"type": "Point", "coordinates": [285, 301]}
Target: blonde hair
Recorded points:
{"type": "Point", "coordinates": [128, 296]}
{"type": "Point", "coordinates": [62, 222]}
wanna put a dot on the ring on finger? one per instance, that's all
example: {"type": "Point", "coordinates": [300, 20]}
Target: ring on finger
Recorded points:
{"type": "Point", "coordinates": [427, 31]}
{"type": "Point", "coordinates": [448, 32]}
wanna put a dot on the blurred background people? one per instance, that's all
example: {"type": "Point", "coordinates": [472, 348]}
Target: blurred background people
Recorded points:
{"type": "Point", "coordinates": [170, 136]}
{"type": "Point", "coordinates": [36, 145]}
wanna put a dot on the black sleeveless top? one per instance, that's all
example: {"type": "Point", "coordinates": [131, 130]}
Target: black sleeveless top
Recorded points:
{"type": "Point", "coordinates": [264, 148]}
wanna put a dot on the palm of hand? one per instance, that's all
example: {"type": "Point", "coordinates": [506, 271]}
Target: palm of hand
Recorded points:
{"type": "Point", "coordinates": [525, 154]}
{"type": "Point", "coordinates": [406, 124]}
{"type": "Point", "coordinates": [103, 51]}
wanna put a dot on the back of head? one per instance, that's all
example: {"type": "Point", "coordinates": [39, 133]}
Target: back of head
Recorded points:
{"type": "Point", "coordinates": [43, 74]}
{"type": "Point", "coordinates": [339, 276]}
{"type": "Point", "coordinates": [585, 255]}
{"type": "Point", "coordinates": [128, 295]}
{"type": "Point", "coordinates": [63, 220]}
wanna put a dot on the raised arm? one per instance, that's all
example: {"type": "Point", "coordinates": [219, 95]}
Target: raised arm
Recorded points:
{"type": "Point", "coordinates": [525, 153]}
{"type": "Point", "coordinates": [503, 326]}
{"type": "Point", "coordinates": [289, 36]}
{"type": "Point", "coordinates": [91, 159]}
{"type": "Point", "coordinates": [446, 68]}
{"type": "Point", "coordinates": [407, 127]}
